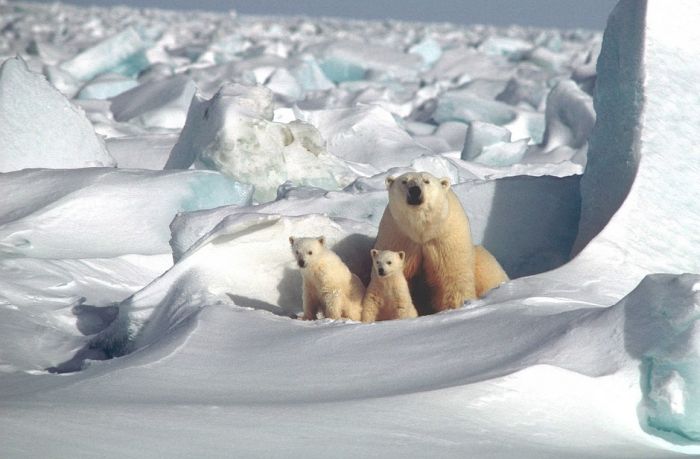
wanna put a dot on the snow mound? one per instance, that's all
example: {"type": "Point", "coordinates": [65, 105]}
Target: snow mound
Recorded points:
{"type": "Point", "coordinates": [39, 127]}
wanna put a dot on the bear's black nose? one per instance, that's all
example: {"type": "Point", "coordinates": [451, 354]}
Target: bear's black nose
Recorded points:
{"type": "Point", "coordinates": [380, 271]}
{"type": "Point", "coordinates": [414, 195]}
{"type": "Point", "coordinates": [301, 263]}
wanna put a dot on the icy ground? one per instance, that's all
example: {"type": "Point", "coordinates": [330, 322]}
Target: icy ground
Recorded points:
{"type": "Point", "coordinates": [153, 165]}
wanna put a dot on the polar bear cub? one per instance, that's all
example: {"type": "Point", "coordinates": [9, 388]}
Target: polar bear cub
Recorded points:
{"type": "Point", "coordinates": [387, 296]}
{"type": "Point", "coordinates": [328, 285]}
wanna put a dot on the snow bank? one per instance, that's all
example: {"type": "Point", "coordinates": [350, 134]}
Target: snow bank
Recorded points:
{"type": "Point", "coordinates": [40, 128]}
{"type": "Point", "coordinates": [90, 213]}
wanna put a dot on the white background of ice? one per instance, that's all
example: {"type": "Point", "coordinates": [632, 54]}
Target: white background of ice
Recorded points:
{"type": "Point", "coordinates": [585, 360]}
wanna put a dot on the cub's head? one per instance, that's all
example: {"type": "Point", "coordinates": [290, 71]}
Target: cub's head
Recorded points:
{"type": "Point", "coordinates": [416, 188]}
{"type": "Point", "coordinates": [386, 262]}
{"type": "Point", "coordinates": [307, 249]}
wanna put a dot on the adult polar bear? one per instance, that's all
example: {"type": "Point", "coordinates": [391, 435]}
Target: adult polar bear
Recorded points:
{"type": "Point", "coordinates": [425, 219]}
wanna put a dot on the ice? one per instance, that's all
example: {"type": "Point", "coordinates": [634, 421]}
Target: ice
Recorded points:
{"type": "Point", "coordinates": [365, 134]}
{"type": "Point", "coordinates": [106, 85]}
{"type": "Point", "coordinates": [39, 127]}
{"type": "Point", "coordinates": [350, 60]}
{"type": "Point", "coordinates": [121, 53]}
{"type": "Point", "coordinates": [161, 103]}
{"type": "Point", "coordinates": [639, 193]}
{"type": "Point", "coordinates": [467, 107]}
{"type": "Point", "coordinates": [569, 119]}
{"type": "Point", "coordinates": [428, 49]}
{"type": "Point", "coordinates": [234, 133]}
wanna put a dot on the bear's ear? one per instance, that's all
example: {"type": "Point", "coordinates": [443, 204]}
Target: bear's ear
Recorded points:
{"type": "Point", "coordinates": [445, 183]}
{"type": "Point", "coordinates": [389, 181]}
{"type": "Point", "coordinates": [374, 253]}
{"type": "Point", "coordinates": [321, 240]}
{"type": "Point", "coordinates": [291, 240]}
{"type": "Point", "coordinates": [402, 255]}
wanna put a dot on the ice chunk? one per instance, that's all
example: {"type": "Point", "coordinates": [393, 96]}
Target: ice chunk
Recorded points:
{"type": "Point", "coordinates": [106, 85]}
{"type": "Point", "coordinates": [662, 328]}
{"type": "Point", "coordinates": [233, 132]}
{"type": "Point", "coordinates": [481, 135]}
{"type": "Point", "coordinates": [512, 48]}
{"type": "Point", "coordinates": [428, 49]}
{"type": "Point", "coordinates": [365, 134]}
{"type": "Point", "coordinates": [40, 128]}
{"type": "Point", "coordinates": [121, 53]}
{"type": "Point", "coordinates": [310, 76]}
{"type": "Point", "coordinates": [156, 104]}
{"type": "Point", "coordinates": [467, 107]}
{"type": "Point", "coordinates": [98, 212]}
{"type": "Point", "coordinates": [350, 60]}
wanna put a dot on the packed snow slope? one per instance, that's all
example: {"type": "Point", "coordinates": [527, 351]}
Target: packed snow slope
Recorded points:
{"type": "Point", "coordinates": [147, 306]}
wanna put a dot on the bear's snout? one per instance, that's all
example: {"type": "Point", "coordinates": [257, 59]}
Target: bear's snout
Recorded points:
{"type": "Point", "coordinates": [380, 271]}
{"type": "Point", "coordinates": [415, 195]}
{"type": "Point", "coordinates": [301, 263]}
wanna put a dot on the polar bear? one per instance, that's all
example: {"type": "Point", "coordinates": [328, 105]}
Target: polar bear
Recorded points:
{"type": "Point", "coordinates": [425, 219]}
{"type": "Point", "coordinates": [328, 285]}
{"type": "Point", "coordinates": [387, 296]}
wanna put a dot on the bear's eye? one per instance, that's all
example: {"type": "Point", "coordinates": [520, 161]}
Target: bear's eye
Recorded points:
{"type": "Point", "coordinates": [404, 181]}
{"type": "Point", "coordinates": [388, 262]}
{"type": "Point", "coordinates": [426, 181]}
{"type": "Point", "coordinates": [310, 252]}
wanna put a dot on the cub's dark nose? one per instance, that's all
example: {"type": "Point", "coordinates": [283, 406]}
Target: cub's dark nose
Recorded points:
{"type": "Point", "coordinates": [301, 263]}
{"type": "Point", "coordinates": [415, 195]}
{"type": "Point", "coordinates": [380, 271]}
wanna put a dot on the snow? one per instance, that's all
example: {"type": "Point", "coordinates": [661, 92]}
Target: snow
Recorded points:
{"type": "Point", "coordinates": [40, 128]}
{"type": "Point", "coordinates": [160, 296]}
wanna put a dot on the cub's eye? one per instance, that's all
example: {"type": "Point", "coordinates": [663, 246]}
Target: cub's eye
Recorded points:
{"type": "Point", "coordinates": [404, 181]}
{"type": "Point", "coordinates": [310, 252]}
{"type": "Point", "coordinates": [426, 181]}
{"type": "Point", "coordinates": [388, 262]}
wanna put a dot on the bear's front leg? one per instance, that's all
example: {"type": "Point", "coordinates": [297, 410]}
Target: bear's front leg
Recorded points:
{"type": "Point", "coordinates": [450, 275]}
{"type": "Point", "coordinates": [333, 305]}
{"type": "Point", "coordinates": [310, 302]}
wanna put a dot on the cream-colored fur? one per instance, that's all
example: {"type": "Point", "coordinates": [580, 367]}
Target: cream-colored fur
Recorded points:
{"type": "Point", "coordinates": [442, 265]}
{"type": "Point", "coordinates": [387, 296]}
{"type": "Point", "coordinates": [328, 285]}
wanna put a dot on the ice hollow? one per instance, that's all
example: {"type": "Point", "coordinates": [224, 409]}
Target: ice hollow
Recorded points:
{"type": "Point", "coordinates": [39, 127]}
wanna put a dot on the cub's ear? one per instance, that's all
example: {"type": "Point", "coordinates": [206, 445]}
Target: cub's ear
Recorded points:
{"type": "Point", "coordinates": [402, 255]}
{"type": "Point", "coordinates": [322, 240]}
{"type": "Point", "coordinates": [445, 183]}
{"type": "Point", "coordinates": [291, 240]}
{"type": "Point", "coordinates": [374, 253]}
{"type": "Point", "coordinates": [389, 181]}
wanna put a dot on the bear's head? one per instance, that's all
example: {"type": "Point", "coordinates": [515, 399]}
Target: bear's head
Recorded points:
{"type": "Point", "coordinates": [387, 262]}
{"type": "Point", "coordinates": [419, 204]}
{"type": "Point", "coordinates": [417, 188]}
{"type": "Point", "coordinates": [307, 249]}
